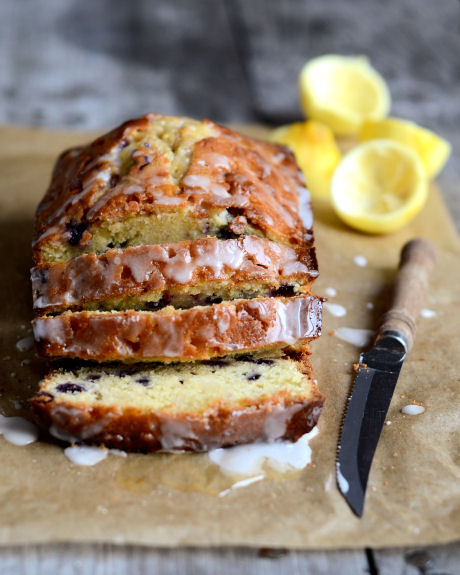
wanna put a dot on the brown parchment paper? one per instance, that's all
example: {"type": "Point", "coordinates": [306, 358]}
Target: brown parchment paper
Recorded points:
{"type": "Point", "coordinates": [170, 500]}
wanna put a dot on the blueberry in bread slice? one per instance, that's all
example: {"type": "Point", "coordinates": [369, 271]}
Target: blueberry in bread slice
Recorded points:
{"type": "Point", "coordinates": [196, 406]}
{"type": "Point", "coordinates": [201, 332]}
{"type": "Point", "coordinates": [165, 179]}
{"type": "Point", "coordinates": [181, 274]}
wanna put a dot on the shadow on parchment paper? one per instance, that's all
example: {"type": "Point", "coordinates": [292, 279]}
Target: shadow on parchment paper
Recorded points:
{"type": "Point", "coordinates": [21, 369]}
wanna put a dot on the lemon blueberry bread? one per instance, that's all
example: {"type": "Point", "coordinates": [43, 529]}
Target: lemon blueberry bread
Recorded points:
{"type": "Point", "coordinates": [181, 274]}
{"type": "Point", "coordinates": [200, 332]}
{"type": "Point", "coordinates": [174, 241]}
{"type": "Point", "coordinates": [164, 179]}
{"type": "Point", "coordinates": [196, 406]}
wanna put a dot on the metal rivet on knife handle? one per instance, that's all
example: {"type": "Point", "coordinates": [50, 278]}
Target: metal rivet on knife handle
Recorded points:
{"type": "Point", "coordinates": [418, 258]}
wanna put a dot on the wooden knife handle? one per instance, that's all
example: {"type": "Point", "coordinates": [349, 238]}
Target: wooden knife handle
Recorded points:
{"type": "Point", "coordinates": [418, 258]}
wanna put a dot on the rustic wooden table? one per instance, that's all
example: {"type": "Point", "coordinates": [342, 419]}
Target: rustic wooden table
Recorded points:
{"type": "Point", "coordinates": [84, 65]}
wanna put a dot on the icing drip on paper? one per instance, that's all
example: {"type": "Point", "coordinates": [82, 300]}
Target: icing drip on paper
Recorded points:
{"type": "Point", "coordinates": [251, 459]}
{"type": "Point", "coordinates": [85, 454]}
{"type": "Point", "coordinates": [336, 309]}
{"type": "Point", "coordinates": [427, 313]}
{"type": "Point", "coordinates": [18, 430]}
{"type": "Point", "coordinates": [25, 344]}
{"type": "Point", "coordinates": [413, 409]}
{"type": "Point", "coordinates": [360, 261]}
{"type": "Point", "coordinates": [355, 336]}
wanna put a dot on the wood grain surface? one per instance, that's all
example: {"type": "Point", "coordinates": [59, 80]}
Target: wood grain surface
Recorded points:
{"type": "Point", "coordinates": [84, 65]}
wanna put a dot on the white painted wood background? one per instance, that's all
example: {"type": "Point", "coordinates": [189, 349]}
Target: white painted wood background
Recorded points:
{"type": "Point", "coordinates": [85, 64]}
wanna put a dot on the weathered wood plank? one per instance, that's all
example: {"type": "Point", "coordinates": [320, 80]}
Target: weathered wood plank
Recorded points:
{"type": "Point", "coordinates": [398, 36]}
{"type": "Point", "coordinates": [111, 560]}
{"type": "Point", "coordinates": [89, 64]}
{"type": "Point", "coordinates": [440, 560]}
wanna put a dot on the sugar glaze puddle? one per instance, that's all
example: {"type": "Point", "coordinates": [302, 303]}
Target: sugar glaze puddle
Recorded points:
{"type": "Point", "coordinates": [427, 313]}
{"type": "Point", "coordinates": [360, 261]}
{"type": "Point", "coordinates": [355, 336]}
{"type": "Point", "coordinates": [413, 409]}
{"type": "Point", "coordinates": [336, 309]}
{"type": "Point", "coordinates": [18, 431]}
{"type": "Point", "coordinates": [88, 455]}
{"type": "Point", "coordinates": [218, 472]}
{"type": "Point", "coordinates": [258, 460]}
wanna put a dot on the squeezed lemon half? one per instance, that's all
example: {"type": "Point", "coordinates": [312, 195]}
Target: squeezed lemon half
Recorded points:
{"type": "Point", "coordinates": [342, 92]}
{"type": "Point", "coordinates": [315, 151]}
{"type": "Point", "coordinates": [431, 149]}
{"type": "Point", "coordinates": [379, 187]}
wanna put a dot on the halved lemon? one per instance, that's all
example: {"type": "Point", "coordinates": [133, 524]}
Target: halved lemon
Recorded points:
{"type": "Point", "coordinates": [379, 187]}
{"type": "Point", "coordinates": [342, 92]}
{"type": "Point", "coordinates": [432, 150]}
{"type": "Point", "coordinates": [315, 150]}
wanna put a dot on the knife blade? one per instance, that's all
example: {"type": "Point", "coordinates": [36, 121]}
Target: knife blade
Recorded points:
{"type": "Point", "coordinates": [378, 372]}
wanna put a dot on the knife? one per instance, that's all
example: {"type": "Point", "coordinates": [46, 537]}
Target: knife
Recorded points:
{"type": "Point", "coordinates": [378, 372]}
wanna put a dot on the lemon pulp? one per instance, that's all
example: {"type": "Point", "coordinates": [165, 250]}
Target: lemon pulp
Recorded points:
{"type": "Point", "coordinates": [379, 187]}
{"type": "Point", "coordinates": [432, 150]}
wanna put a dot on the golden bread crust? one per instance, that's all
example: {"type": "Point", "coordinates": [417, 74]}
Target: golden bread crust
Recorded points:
{"type": "Point", "coordinates": [180, 335]}
{"type": "Point", "coordinates": [257, 184]}
{"type": "Point", "coordinates": [167, 268]}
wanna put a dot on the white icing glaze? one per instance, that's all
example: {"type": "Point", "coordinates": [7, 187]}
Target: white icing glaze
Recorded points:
{"type": "Point", "coordinates": [223, 322]}
{"type": "Point", "coordinates": [293, 321]}
{"type": "Point", "coordinates": [330, 292]}
{"type": "Point", "coordinates": [25, 344]}
{"type": "Point", "coordinates": [118, 452]}
{"type": "Point", "coordinates": [275, 424]}
{"type": "Point", "coordinates": [241, 483]}
{"type": "Point", "coordinates": [427, 313]}
{"type": "Point", "coordinates": [18, 430]}
{"type": "Point", "coordinates": [85, 455]}
{"type": "Point", "coordinates": [336, 309]}
{"type": "Point", "coordinates": [175, 433]}
{"type": "Point", "coordinates": [205, 183]}
{"type": "Point", "coordinates": [370, 305]}
{"type": "Point", "coordinates": [412, 409]}
{"type": "Point", "coordinates": [329, 482]}
{"type": "Point", "coordinates": [360, 261]}
{"type": "Point", "coordinates": [217, 161]}
{"type": "Point", "coordinates": [49, 328]}
{"type": "Point", "coordinates": [213, 255]}
{"type": "Point", "coordinates": [343, 483]}
{"type": "Point", "coordinates": [132, 184]}
{"type": "Point", "coordinates": [355, 336]}
{"type": "Point", "coordinates": [250, 459]}
{"type": "Point", "coordinates": [305, 210]}
{"type": "Point", "coordinates": [62, 435]}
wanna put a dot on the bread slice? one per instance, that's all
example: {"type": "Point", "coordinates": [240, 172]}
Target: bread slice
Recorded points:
{"type": "Point", "coordinates": [197, 406]}
{"type": "Point", "coordinates": [201, 332]}
{"type": "Point", "coordinates": [181, 274]}
{"type": "Point", "coordinates": [164, 179]}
